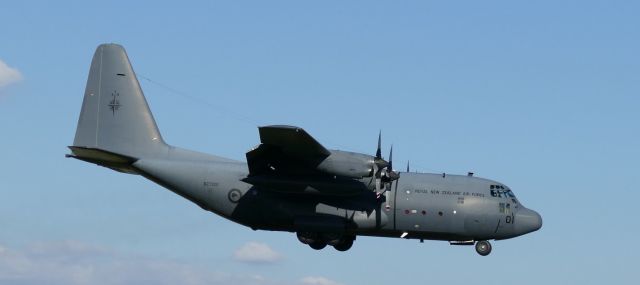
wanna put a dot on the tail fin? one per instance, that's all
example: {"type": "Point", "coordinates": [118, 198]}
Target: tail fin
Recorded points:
{"type": "Point", "coordinates": [115, 116]}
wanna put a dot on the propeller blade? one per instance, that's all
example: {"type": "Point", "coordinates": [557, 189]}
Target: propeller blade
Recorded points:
{"type": "Point", "coordinates": [378, 158]}
{"type": "Point", "coordinates": [379, 150]}
{"type": "Point", "coordinates": [390, 159]}
{"type": "Point", "coordinates": [392, 175]}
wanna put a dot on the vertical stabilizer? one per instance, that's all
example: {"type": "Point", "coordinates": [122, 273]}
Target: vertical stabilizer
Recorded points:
{"type": "Point", "coordinates": [115, 116]}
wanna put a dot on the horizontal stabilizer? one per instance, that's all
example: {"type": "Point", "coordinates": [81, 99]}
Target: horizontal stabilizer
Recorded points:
{"type": "Point", "coordinates": [118, 162]}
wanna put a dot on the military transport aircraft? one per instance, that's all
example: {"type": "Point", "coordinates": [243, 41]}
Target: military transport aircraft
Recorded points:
{"type": "Point", "coordinates": [291, 182]}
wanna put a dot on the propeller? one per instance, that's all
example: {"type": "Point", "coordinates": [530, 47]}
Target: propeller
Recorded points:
{"type": "Point", "coordinates": [382, 170]}
{"type": "Point", "coordinates": [389, 175]}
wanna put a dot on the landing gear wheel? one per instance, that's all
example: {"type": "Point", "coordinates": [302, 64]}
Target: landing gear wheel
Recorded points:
{"type": "Point", "coordinates": [306, 237]}
{"type": "Point", "coordinates": [483, 247]}
{"type": "Point", "coordinates": [332, 238]}
{"type": "Point", "coordinates": [318, 245]}
{"type": "Point", "coordinates": [344, 245]}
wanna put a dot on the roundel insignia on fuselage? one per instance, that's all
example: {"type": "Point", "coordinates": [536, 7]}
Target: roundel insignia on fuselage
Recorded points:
{"type": "Point", "coordinates": [234, 195]}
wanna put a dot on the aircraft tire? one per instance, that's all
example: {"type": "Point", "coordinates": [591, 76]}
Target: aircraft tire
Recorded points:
{"type": "Point", "coordinates": [318, 245]}
{"type": "Point", "coordinates": [306, 237]}
{"type": "Point", "coordinates": [333, 238]}
{"type": "Point", "coordinates": [483, 247]}
{"type": "Point", "coordinates": [344, 246]}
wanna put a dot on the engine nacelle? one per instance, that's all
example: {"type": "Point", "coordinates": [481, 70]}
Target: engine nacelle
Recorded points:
{"type": "Point", "coordinates": [348, 164]}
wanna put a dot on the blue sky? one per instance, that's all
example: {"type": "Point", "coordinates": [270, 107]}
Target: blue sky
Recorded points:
{"type": "Point", "coordinates": [540, 95]}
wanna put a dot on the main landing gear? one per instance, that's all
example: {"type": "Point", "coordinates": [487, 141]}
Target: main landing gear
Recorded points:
{"type": "Point", "coordinates": [483, 247]}
{"type": "Point", "coordinates": [319, 241]}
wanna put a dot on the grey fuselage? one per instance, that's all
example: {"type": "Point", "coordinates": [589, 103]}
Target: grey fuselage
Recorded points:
{"type": "Point", "coordinates": [423, 205]}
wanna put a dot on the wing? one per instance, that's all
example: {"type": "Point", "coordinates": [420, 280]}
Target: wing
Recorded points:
{"type": "Point", "coordinates": [285, 150]}
{"type": "Point", "coordinates": [290, 160]}
{"type": "Point", "coordinates": [293, 141]}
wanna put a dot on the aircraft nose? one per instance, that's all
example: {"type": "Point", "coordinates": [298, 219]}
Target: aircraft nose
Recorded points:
{"type": "Point", "coordinates": [527, 221]}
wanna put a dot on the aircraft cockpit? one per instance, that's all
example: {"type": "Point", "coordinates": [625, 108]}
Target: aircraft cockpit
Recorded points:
{"type": "Point", "coordinates": [502, 191]}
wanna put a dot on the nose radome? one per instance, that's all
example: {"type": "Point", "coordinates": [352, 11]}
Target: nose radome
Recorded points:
{"type": "Point", "coordinates": [527, 221]}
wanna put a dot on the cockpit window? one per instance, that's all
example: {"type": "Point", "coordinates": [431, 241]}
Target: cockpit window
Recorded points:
{"type": "Point", "coordinates": [501, 191]}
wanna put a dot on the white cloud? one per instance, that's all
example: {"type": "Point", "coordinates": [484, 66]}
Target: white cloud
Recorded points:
{"type": "Point", "coordinates": [315, 280]}
{"type": "Point", "coordinates": [8, 75]}
{"type": "Point", "coordinates": [78, 263]}
{"type": "Point", "coordinates": [256, 252]}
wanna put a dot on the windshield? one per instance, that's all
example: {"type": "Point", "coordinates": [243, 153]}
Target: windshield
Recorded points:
{"type": "Point", "coordinates": [501, 191]}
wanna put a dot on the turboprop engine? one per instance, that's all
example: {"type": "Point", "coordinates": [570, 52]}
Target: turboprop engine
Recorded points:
{"type": "Point", "coordinates": [290, 160]}
{"type": "Point", "coordinates": [350, 164]}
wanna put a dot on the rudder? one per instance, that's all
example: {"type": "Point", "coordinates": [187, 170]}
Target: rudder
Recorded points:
{"type": "Point", "coordinates": [115, 116]}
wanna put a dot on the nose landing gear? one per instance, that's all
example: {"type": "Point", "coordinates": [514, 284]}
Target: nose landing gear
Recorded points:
{"type": "Point", "coordinates": [483, 247]}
